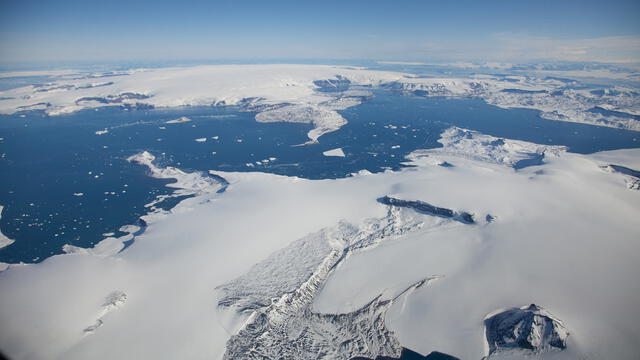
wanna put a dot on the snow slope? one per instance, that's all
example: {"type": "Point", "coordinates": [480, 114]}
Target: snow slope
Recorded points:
{"type": "Point", "coordinates": [562, 234]}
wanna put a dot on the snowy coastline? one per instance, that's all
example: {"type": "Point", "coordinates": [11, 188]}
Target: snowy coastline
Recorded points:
{"type": "Point", "coordinates": [197, 256]}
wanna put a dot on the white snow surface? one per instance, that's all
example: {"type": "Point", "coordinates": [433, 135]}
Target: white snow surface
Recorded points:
{"type": "Point", "coordinates": [565, 236]}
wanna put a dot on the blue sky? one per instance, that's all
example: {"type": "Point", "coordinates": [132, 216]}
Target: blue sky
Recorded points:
{"type": "Point", "coordinates": [512, 30]}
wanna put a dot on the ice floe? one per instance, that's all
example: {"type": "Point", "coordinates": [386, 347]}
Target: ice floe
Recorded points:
{"type": "Point", "coordinates": [334, 152]}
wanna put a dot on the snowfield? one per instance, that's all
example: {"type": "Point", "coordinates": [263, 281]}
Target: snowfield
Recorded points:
{"type": "Point", "coordinates": [257, 265]}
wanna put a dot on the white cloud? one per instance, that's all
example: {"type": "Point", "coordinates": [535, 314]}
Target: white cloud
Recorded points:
{"type": "Point", "coordinates": [602, 49]}
{"type": "Point", "coordinates": [517, 47]}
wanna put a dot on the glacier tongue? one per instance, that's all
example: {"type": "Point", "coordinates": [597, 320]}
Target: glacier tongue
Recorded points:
{"type": "Point", "coordinates": [277, 295]}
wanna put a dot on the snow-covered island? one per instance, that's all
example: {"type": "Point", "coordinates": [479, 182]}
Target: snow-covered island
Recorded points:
{"type": "Point", "coordinates": [366, 265]}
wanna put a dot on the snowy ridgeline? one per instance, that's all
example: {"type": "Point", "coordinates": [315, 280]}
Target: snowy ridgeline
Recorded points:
{"type": "Point", "coordinates": [313, 93]}
{"type": "Point", "coordinates": [421, 258]}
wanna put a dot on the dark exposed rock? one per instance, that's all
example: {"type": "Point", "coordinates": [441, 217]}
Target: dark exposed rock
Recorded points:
{"type": "Point", "coordinates": [340, 83]}
{"type": "Point", "coordinates": [625, 170]}
{"type": "Point", "coordinates": [605, 112]}
{"type": "Point", "coordinates": [529, 328]}
{"type": "Point", "coordinates": [534, 159]}
{"type": "Point", "coordinates": [427, 208]}
{"type": "Point", "coordinates": [114, 99]}
{"type": "Point", "coordinates": [51, 88]}
{"type": "Point", "coordinates": [412, 355]}
{"type": "Point", "coordinates": [29, 107]}
{"type": "Point", "coordinates": [632, 176]}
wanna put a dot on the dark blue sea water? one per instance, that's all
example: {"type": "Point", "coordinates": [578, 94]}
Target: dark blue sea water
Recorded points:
{"type": "Point", "coordinates": [46, 160]}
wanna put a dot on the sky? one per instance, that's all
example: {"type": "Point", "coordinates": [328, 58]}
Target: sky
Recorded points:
{"type": "Point", "coordinates": [400, 30]}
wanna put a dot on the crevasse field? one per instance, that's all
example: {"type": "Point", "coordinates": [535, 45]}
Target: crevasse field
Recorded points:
{"type": "Point", "coordinates": [320, 212]}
